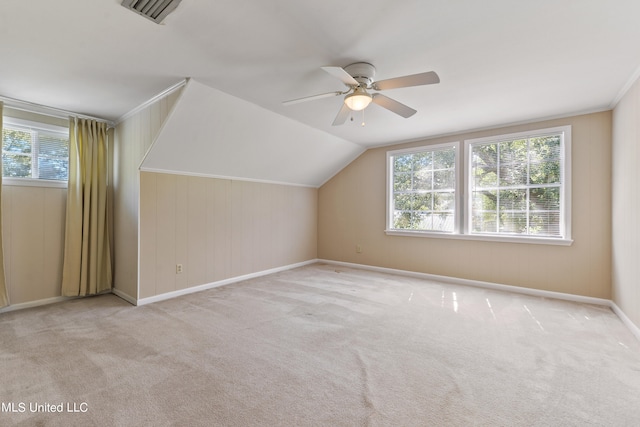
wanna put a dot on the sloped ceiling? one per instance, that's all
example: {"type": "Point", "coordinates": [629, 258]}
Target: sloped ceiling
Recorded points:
{"type": "Point", "coordinates": [211, 133]}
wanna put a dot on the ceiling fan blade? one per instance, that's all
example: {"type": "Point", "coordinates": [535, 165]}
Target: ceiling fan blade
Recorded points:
{"type": "Point", "coordinates": [393, 105]}
{"type": "Point", "coordinates": [342, 116]}
{"type": "Point", "coordinates": [312, 98]}
{"type": "Point", "coordinates": [342, 75]}
{"type": "Point", "coordinates": [427, 78]}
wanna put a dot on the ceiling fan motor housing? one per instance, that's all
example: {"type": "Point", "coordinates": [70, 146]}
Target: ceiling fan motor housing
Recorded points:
{"type": "Point", "coordinates": [362, 72]}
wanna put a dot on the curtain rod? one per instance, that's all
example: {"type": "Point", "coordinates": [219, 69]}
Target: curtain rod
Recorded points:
{"type": "Point", "coordinates": [32, 107]}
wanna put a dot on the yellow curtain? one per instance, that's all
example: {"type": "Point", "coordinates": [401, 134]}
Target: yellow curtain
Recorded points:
{"type": "Point", "coordinates": [87, 255]}
{"type": "Point", "coordinates": [4, 298]}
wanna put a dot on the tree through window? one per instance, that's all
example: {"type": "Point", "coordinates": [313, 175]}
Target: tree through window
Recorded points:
{"type": "Point", "coordinates": [423, 189]}
{"type": "Point", "coordinates": [31, 150]}
{"type": "Point", "coordinates": [516, 185]}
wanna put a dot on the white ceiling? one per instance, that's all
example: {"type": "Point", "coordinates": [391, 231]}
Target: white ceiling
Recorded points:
{"type": "Point", "coordinates": [500, 61]}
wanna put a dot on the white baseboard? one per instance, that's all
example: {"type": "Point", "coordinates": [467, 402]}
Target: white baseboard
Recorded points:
{"type": "Point", "coordinates": [477, 283]}
{"type": "Point", "coordinates": [495, 286]}
{"type": "Point", "coordinates": [128, 298]}
{"type": "Point", "coordinates": [32, 304]}
{"type": "Point", "coordinates": [204, 287]}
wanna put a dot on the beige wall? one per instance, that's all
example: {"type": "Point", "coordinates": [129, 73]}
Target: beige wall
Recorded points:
{"type": "Point", "coordinates": [352, 212]}
{"type": "Point", "coordinates": [133, 137]}
{"type": "Point", "coordinates": [626, 204]}
{"type": "Point", "coordinates": [219, 229]}
{"type": "Point", "coordinates": [33, 237]}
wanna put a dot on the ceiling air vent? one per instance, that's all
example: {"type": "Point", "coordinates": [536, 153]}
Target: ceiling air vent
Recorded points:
{"type": "Point", "coordinates": [156, 10]}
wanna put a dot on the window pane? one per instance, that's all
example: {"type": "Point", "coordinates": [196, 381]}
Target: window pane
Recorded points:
{"type": "Point", "coordinates": [403, 202]}
{"type": "Point", "coordinates": [402, 219]}
{"type": "Point", "coordinates": [423, 202]}
{"type": "Point", "coordinates": [402, 163]}
{"type": "Point", "coordinates": [545, 199]}
{"type": "Point", "coordinates": [422, 161]}
{"type": "Point", "coordinates": [402, 181]}
{"type": "Point", "coordinates": [513, 222]}
{"type": "Point", "coordinates": [485, 200]}
{"type": "Point", "coordinates": [524, 176]}
{"type": "Point", "coordinates": [16, 166]}
{"type": "Point", "coordinates": [417, 177]}
{"type": "Point", "coordinates": [52, 145]}
{"type": "Point", "coordinates": [444, 201]}
{"type": "Point", "coordinates": [16, 141]}
{"type": "Point", "coordinates": [421, 221]}
{"type": "Point", "coordinates": [513, 200]}
{"type": "Point", "coordinates": [545, 160]}
{"type": "Point", "coordinates": [53, 168]}
{"type": "Point", "coordinates": [423, 180]}
{"type": "Point", "coordinates": [444, 159]}
{"type": "Point", "coordinates": [444, 179]}
{"type": "Point", "coordinates": [443, 222]}
{"type": "Point", "coordinates": [32, 152]}
{"type": "Point", "coordinates": [544, 223]}
{"type": "Point", "coordinates": [485, 165]}
{"type": "Point", "coordinates": [512, 174]}
{"type": "Point", "coordinates": [484, 222]}
{"type": "Point", "coordinates": [513, 162]}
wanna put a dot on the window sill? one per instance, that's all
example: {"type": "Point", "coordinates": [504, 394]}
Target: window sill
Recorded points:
{"type": "Point", "coordinates": [30, 182]}
{"type": "Point", "coordinates": [483, 237]}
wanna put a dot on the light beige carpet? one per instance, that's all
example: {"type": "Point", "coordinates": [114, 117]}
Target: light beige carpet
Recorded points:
{"type": "Point", "coordinates": [321, 346]}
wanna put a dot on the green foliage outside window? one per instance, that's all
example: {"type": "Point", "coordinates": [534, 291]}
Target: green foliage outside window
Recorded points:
{"type": "Point", "coordinates": [516, 186]}
{"type": "Point", "coordinates": [424, 190]}
{"type": "Point", "coordinates": [34, 154]}
{"type": "Point", "coordinates": [16, 153]}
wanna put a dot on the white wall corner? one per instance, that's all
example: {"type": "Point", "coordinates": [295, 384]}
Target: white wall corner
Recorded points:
{"type": "Point", "coordinates": [128, 298]}
{"type": "Point", "coordinates": [635, 330]}
{"type": "Point", "coordinates": [623, 91]}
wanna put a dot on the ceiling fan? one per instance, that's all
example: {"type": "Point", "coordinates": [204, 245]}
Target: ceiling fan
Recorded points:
{"type": "Point", "coordinates": [359, 79]}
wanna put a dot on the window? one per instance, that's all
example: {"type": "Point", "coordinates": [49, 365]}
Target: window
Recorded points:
{"type": "Point", "coordinates": [34, 150]}
{"type": "Point", "coordinates": [518, 184]}
{"type": "Point", "coordinates": [422, 188]}
{"type": "Point", "coordinates": [517, 188]}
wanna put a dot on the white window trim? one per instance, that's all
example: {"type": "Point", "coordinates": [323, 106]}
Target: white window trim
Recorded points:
{"type": "Point", "coordinates": [457, 201]}
{"type": "Point", "coordinates": [34, 125]}
{"type": "Point", "coordinates": [34, 182]}
{"type": "Point", "coordinates": [463, 198]}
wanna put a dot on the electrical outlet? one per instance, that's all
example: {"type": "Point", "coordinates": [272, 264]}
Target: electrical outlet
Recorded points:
{"type": "Point", "coordinates": [178, 268]}
{"type": "Point", "coordinates": [359, 249]}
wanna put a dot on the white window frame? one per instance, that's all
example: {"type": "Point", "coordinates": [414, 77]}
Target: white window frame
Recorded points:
{"type": "Point", "coordinates": [389, 194]}
{"type": "Point", "coordinates": [463, 194]}
{"type": "Point", "coordinates": [38, 126]}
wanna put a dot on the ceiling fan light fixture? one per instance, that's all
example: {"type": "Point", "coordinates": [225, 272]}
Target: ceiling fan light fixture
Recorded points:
{"type": "Point", "coordinates": [358, 100]}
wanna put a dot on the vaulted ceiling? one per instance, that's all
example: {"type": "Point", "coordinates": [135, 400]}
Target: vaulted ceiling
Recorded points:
{"type": "Point", "coordinates": [499, 61]}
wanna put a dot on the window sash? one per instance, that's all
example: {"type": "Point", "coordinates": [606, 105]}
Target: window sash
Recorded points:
{"type": "Point", "coordinates": [42, 151]}
{"type": "Point", "coordinates": [423, 193]}
{"type": "Point", "coordinates": [532, 210]}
